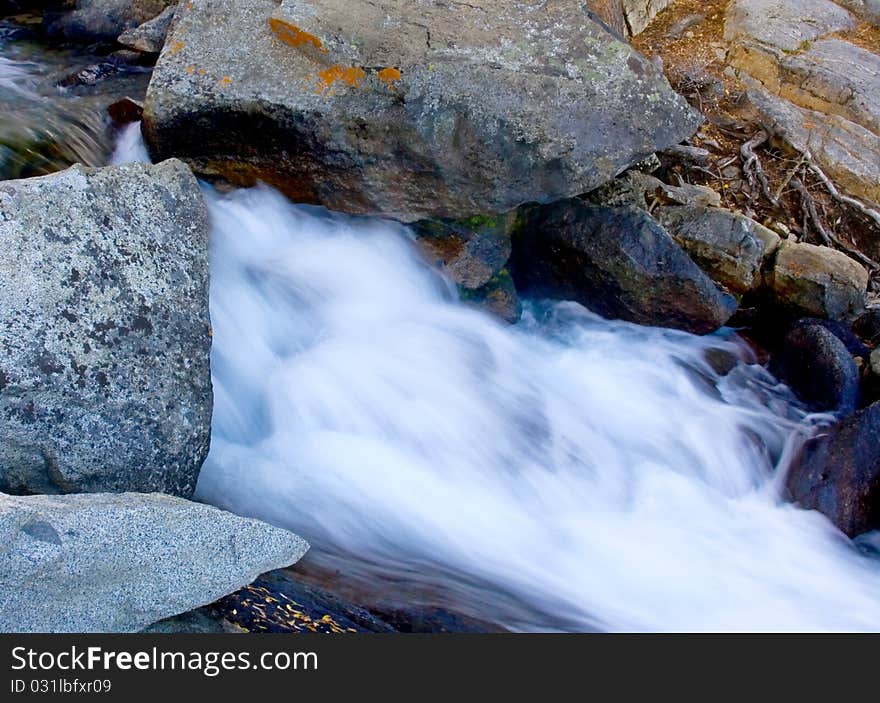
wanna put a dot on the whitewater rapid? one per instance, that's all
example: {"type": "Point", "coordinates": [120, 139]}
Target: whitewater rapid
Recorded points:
{"type": "Point", "coordinates": [567, 473]}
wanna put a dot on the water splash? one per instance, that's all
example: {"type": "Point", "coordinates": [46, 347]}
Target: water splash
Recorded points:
{"type": "Point", "coordinates": [130, 146]}
{"type": "Point", "coordinates": [567, 473]}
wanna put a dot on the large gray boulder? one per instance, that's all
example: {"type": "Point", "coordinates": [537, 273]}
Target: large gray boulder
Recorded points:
{"type": "Point", "coordinates": [405, 108]}
{"type": "Point", "coordinates": [119, 562]}
{"type": "Point", "coordinates": [104, 325]}
{"type": "Point", "coordinates": [619, 262]}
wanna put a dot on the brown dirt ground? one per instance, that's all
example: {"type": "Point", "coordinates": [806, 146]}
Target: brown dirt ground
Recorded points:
{"type": "Point", "coordinates": [695, 66]}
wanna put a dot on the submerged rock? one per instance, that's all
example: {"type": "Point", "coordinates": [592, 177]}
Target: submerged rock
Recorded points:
{"type": "Point", "coordinates": [838, 473]}
{"type": "Point", "coordinates": [278, 602]}
{"type": "Point", "coordinates": [819, 368]}
{"type": "Point", "coordinates": [619, 262]}
{"type": "Point", "coordinates": [104, 381]}
{"type": "Point", "coordinates": [408, 109]}
{"type": "Point", "coordinates": [117, 563]}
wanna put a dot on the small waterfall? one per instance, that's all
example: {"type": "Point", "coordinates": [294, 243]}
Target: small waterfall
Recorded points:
{"type": "Point", "coordinates": [567, 473]}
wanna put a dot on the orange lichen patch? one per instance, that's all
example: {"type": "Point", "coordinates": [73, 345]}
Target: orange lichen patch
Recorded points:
{"type": "Point", "coordinates": [293, 36]}
{"type": "Point", "coordinates": [190, 69]}
{"type": "Point", "coordinates": [226, 80]}
{"type": "Point", "coordinates": [175, 47]}
{"type": "Point", "coordinates": [348, 75]}
{"type": "Point", "coordinates": [389, 75]}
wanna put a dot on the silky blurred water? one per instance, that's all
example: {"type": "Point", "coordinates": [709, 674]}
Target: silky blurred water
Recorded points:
{"type": "Point", "coordinates": [567, 473]}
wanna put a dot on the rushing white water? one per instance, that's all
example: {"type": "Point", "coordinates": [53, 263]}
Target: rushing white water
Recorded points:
{"type": "Point", "coordinates": [130, 146]}
{"type": "Point", "coordinates": [567, 473]}
{"type": "Point", "coordinates": [597, 474]}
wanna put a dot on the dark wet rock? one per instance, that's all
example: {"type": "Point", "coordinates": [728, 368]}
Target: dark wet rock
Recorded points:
{"type": "Point", "coordinates": [819, 368]}
{"type": "Point", "coordinates": [469, 251]}
{"type": "Point", "coordinates": [105, 331]}
{"type": "Point", "coordinates": [867, 326]}
{"type": "Point", "coordinates": [433, 620]}
{"type": "Point", "coordinates": [498, 296]}
{"type": "Point", "coordinates": [104, 20]}
{"type": "Point", "coordinates": [731, 248]}
{"type": "Point", "coordinates": [118, 62]}
{"type": "Point", "coordinates": [407, 109]}
{"type": "Point", "coordinates": [276, 602]}
{"type": "Point", "coordinates": [838, 473]}
{"type": "Point", "coordinates": [843, 332]}
{"type": "Point", "coordinates": [619, 262]}
{"type": "Point", "coordinates": [473, 254]}
{"type": "Point", "coordinates": [126, 111]}
{"type": "Point", "coordinates": [118, 562]}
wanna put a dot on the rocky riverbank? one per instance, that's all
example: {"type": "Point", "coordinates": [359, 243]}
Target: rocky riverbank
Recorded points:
{"type": "Point", "coordinates": [531, 150]}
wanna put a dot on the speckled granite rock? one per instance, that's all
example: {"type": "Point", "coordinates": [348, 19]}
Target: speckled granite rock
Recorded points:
{"type": "Point", "coordinates": [117, 563]}
{"type": "Point", "coordinates": [104, 325]}
{"type": "Point", "coordinates": [408, 109]}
